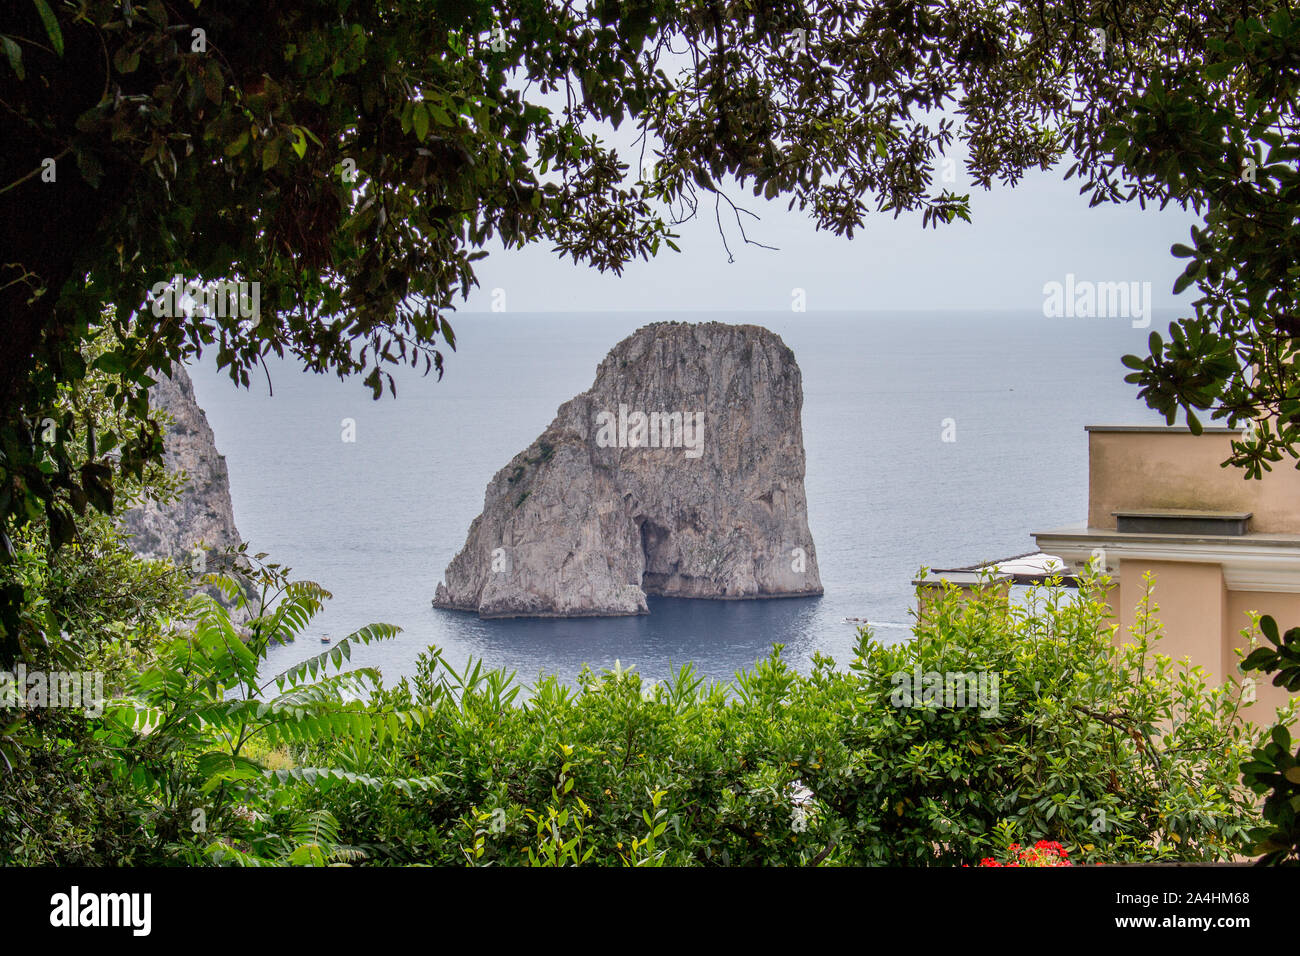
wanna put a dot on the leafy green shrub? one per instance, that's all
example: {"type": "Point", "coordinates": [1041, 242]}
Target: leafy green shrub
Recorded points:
{"type": "Point", "coordinates": [92, 607]}
{"type": "Point", "coordinates": [58, 805]}
{"type": "Point", "coordinates": [1273, 769]}
{"type": "Point", "coordinates": [1116, 753]}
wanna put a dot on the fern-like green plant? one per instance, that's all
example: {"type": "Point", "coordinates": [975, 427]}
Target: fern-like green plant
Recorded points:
{"type": "Point", "coordinates": [312, 839]}
{"type": "Point", "coordinates": [182, 728]}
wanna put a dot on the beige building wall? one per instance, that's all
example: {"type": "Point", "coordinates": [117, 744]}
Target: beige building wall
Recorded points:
{"type": "Point", "coordinates": [1174, 469]}
{"type": "Point", "coordinates": [1205, 585]}
{"type": "Point", "coordinates": [1192, 603]}
{"type": "Point", "coordinates": [1202, 620]}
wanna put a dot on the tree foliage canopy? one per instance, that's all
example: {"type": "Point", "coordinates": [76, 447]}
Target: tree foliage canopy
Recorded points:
{"type": "Point", "coordinates": [355, 159]}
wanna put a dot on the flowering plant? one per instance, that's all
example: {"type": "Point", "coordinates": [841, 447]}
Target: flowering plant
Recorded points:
{"type": "Point", "coordinates": [1042, 853]}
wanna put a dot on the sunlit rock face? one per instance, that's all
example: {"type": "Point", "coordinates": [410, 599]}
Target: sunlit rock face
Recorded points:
{"type": "Point", "coordinates": [680, 472]}
{"type": "Point", "coordinates": [203, 512]}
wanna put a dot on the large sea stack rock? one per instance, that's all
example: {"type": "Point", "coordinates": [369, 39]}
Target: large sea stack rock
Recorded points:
{"type": "Point", "coordinates": [203, 511]}
{"type": "Point", "coordinates": [679, 473]}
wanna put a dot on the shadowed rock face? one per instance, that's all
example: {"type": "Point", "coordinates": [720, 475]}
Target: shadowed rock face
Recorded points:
{"type": "Point", "coordinates": [679, 473]}
{"type": "Point", "coordinates": [203, 511]}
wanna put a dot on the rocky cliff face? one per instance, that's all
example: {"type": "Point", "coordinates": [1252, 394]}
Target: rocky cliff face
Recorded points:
{"type": "Point", "coordinates": [203, 512]}
{"type": "Point", "coordinates": [679, 472]}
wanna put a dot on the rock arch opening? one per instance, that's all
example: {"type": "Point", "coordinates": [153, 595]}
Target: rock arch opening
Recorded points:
{"type": "Point", "coordinates": [655, 550]}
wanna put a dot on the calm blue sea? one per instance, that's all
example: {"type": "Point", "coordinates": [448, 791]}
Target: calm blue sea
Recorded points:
{"type": "Point", "coordinates": [376, 521]}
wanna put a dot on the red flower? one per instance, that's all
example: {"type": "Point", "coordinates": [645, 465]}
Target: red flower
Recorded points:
{"type": "Point", "coordinates": [1042, 853]}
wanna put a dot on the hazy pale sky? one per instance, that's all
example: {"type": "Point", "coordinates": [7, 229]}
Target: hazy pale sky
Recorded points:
{"type": "Point", "coordinates": [1019, 240]}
